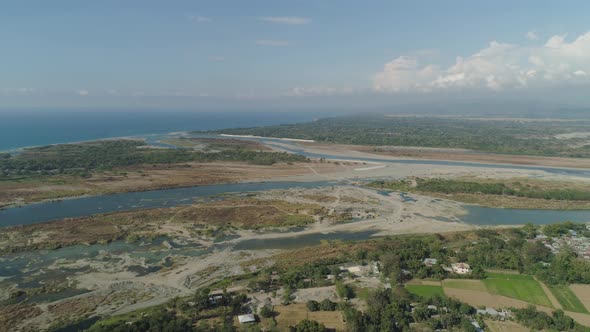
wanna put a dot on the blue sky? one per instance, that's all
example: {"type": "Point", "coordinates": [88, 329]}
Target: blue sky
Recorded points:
{"type": "Point", "coordinates": [234, 53]}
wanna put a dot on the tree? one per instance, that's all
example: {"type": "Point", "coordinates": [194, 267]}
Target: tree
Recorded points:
{"type": "Point", "coordinates": [313, 305]}
{"type": "Point", "coordinates": [561, 321]}
{"type": "Point", "coordinates": [266, 311]}
{"type": "Point", "coordinates": [343, 291]}
{"type": "Point", "coordinates": [307, 325]}
{"type": "Point", "coordinates": [327, 305]}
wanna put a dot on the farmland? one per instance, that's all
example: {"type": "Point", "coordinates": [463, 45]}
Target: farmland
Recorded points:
{"type": "Point", "coordinates": [520, 287]}
{"type": "Point", "coordinates": [425, 290]}
{"type": "Point", "coordinates": [567, 299]}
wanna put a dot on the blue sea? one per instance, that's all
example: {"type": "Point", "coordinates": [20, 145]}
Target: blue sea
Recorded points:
{"type": "Point", "coordinates": [22, 128]}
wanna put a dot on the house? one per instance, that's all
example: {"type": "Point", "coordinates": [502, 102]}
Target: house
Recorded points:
{"type": "Point", "coordinates": [245, 319]}
{"type": "Point", "coordinates": [430, 262]}
{"type": "Point", "coordinates": [461, 268]}
{"type": "Point", "coordinates": [215, 299]}
{"type": "Point", "coordinates": [488, 311]}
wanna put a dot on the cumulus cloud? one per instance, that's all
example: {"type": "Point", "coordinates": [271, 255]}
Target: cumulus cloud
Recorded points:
{"type": "Point", "coordinates": [532, 35]}
{"type": "Point", "coordinates": [498, 66]}
{"type": "Point", "coordinates": [269, 42]}
{"type": "Point", "coordinates": [292, 20]}
{"type": "Point", "coordinates": [18, 91]}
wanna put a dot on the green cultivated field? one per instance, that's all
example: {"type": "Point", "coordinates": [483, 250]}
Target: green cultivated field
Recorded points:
{"type": "Point", "coordinates": [425, 290]}
{"type": "Point", "coordinates": [567, 298]}
{"type": "Point", "coordinates": [475, 285]}
{"type": "Point", "coordinates": [518, 286]}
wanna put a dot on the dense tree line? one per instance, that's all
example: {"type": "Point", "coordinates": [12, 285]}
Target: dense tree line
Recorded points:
{"type": "Point", "coordinates": [452, 186]}
{"type": "Point", "coordinates": [395, 309]}
{"type": "Point", "coordinates": [106, 155]}
{"type": "Point", "coordinates": [540, 321]}
{"type": "Point", "coordinates": [499, 136]}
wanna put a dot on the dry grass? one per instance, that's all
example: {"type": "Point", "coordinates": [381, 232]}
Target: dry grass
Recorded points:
{"type": "Point", "coordinates": [514, 202]}
{"type": "Point", "coordinates": [292, 314]}
{"type": "Point", "coordinates": [252, 213]}
{"type": "Point", "coordinates": [149, 177]}
{"type": "Point", "coordinates": [507, 326]}
{"type": "Point", "coordinates": [583, 294]}
{"type": "Point", "coordinates": [299, 257]}
{"type": "Point", "coordinates": [11, 316]}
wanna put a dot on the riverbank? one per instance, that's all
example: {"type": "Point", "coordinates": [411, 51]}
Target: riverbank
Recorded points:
{"type": "Point", "coordinates": [21, 191]}
{"type": "Point", "coordinates": [448, 154]}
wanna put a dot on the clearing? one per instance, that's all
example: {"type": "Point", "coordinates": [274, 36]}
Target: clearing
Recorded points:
{"type": "Point", "coordinates": [290, 315]}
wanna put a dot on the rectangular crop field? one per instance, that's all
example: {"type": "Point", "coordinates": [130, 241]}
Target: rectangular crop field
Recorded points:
{"type": "Point", "coordinates": [517, 286]}
{"type": "Point", "coordinates": [568, 300]}
{"type": "Point", "coordinates": [425, 290]}
{"type": "Point", "coordinates": [468, 284]}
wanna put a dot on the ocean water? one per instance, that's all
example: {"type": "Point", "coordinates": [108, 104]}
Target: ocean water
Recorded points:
{"type": "Point", "coordinates": [22, 128]}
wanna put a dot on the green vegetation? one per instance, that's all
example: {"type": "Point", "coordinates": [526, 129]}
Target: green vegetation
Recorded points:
{"type": "Point", "coordinates": [426, 290]}
{"type": "Point", "coordinates": [522, 287]}
{"type": "Point", "coordinates": [80, 159]}
{"type": "Point", "coordinates": [453, 186]}
{"type": "Point", "coordinates": [307, 325]}
{"type": "Point", "coordinates": [540, 321]}
{"type": "Point", "coordinates": [390, 310]}
{"type": "Point", "coordinates": [498, 136]}
{"type": "Point", "coordinates": [475, 285]}
{"type": "Point", "coordinates": [568, 300]}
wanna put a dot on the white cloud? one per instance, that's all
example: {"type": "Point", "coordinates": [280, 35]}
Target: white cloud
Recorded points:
{"type": "Point", "coordinates": [497, 67]}
{"type": "Point", "coordinates": [83, 92]}
{"type": "Point", "coordinates": [269, 42]}
{"type": "Point", "coordinates": [292, 20]}
{"type": "Point", "coordinates": [532, 35]}
{"type": "Point", "coordinates": [199, 18]}
{"type": "Point", "coordinates": [316, 91]}
{"type": "Point", "coordinates": [19, 91]}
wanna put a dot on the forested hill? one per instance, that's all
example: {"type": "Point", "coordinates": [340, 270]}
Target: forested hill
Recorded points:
{"type": "Point", "coordinates": [509, 136]}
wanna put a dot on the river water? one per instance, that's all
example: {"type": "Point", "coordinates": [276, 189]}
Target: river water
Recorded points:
{"type": "Point", "coordinates": [85, 206]}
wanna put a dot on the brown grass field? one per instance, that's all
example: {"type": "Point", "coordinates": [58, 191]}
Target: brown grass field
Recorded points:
{"type": "Point", "coordinates": [292, 314]}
